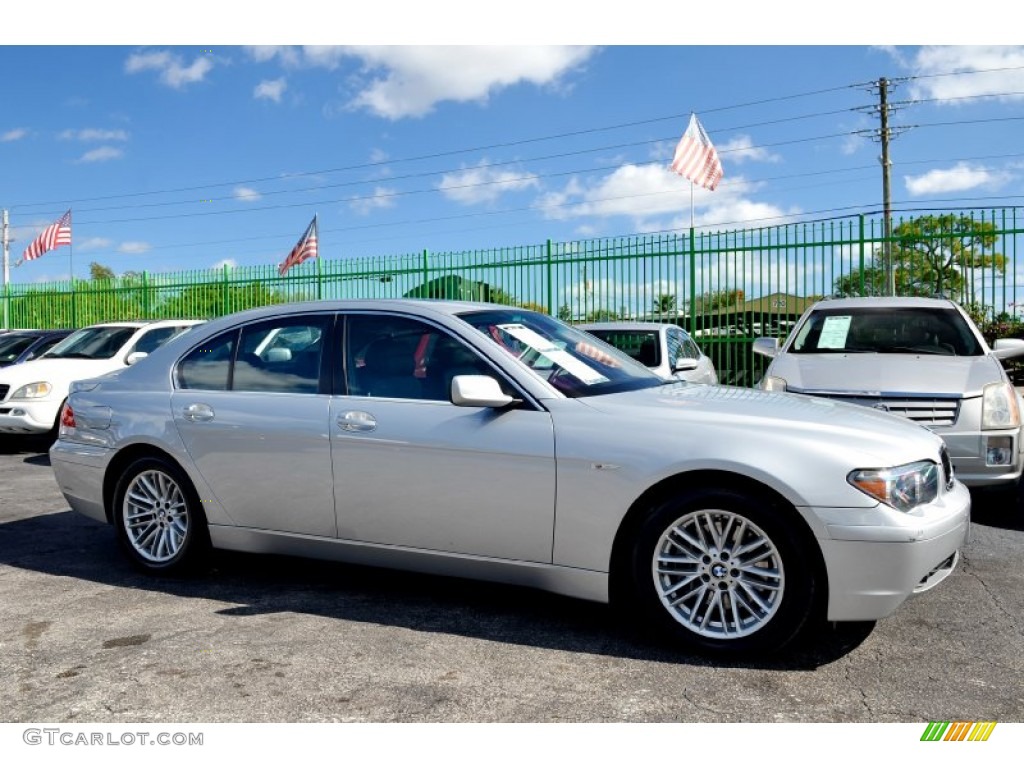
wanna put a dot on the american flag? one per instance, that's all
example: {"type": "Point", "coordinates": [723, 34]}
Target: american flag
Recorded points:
{"type": "Point", "coordinates": [696, 158]}
{"type": "Point", "coordinates": [54, 236]}
{"type": "Point", "coordinates": [304, 249]}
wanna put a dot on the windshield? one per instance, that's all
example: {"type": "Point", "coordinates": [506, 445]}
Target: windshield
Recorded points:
{"type": "Point", "coordinates": [93, 343]}
{"type": "Point", "coordinates": [13, 345]}
{"type": "Point", "coordinates": [886, 330]}
{"type": "Point", "coordinates": [573, 362]}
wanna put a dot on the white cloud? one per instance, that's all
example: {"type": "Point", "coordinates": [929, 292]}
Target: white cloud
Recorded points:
{"type": "Point", "coordinates": [14, 134]}
{"type": "Point", "coordinates": [133, 247]}
{"type": "Point", "coordinates": [247, 194]}
{"type": "Point", "coordinates": [101, 154]}
{"type": "Point", "coordinates": [229, 263]}
{"type": "Point", "coordinates": [171, 67]}
{"type": "Point", "coordinates": [382, 197]}
{"type": "Point", "coordinates": [741, 149]}
{"type": "Point", "coordinates": [417, 78]}
{"type": "Point", "coordinates": [93, 134]}
{"type": "Point", "coordinates": [484, 184]}
{"type": "Point", "coordinates": [93, 244]}
{"type": "Point", "coordinates": [930, 61]}
{"type": "Point", "coordinates": [271, 90]}
{"type": "Point", "coordinates": [653, 198]}
{"type": "Point", "coordinates": [959, 178]}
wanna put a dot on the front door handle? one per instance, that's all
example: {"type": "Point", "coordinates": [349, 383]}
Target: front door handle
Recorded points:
{"type": "Point", "coordinates": [357, 421]}
{"type": "Point", "coordinates": [198, 412]}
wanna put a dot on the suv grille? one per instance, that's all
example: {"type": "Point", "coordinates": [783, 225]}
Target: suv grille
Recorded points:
{"type": "Point", "coordinates": [926, 411]}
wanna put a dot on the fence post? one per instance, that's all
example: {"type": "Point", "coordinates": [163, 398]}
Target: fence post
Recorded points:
{"type": "Point", "coordinates": [693, 284]}
{"type": "Point", "coordinates": [551, 287]}
{"type": "Point", "coordinates": [426, 267]}
{"type": "Point", "coordinates": [319, 281]}
{"type": "Point", "coordinates": [225, 293]}
{"type": "Point", "coordinates": [861, 268]}
{"type": "Point", "coordinates": [146, 306]}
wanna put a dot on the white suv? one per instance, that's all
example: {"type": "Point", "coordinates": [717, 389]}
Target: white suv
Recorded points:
{"type": "Point", "coordinates": [32, 393]}
{"type": "Point", "coordinates": [922, 359]}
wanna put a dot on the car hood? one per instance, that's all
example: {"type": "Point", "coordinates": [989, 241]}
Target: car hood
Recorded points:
{"type": "Point", "coordinates": [887, 374]}
{"type": "Point", "coordinates": [57, 369]}
{"type": "Point", "coordinates": [738, 416]}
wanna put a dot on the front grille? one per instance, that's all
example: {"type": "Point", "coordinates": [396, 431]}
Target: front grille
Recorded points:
{"type": "Point", "coordinates": [926, 411]}
{"type": "Point", "coordinates": [4, 389]}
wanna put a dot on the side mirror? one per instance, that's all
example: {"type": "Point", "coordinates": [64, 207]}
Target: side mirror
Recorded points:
{"type": "Point", "coordinates": [684, 364]}
{"type": "Point", "coordinates": [134, 357]}
{"type": "Point", "coordinates": [1005, 348]}
{"type": "Point", "coordinates": [766, 347]}
{"type": "Point", "coordinates": [479, 392]}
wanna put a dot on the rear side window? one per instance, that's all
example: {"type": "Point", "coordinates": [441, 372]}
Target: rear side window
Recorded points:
{"type": "Point", "coordinates": [209, 366]}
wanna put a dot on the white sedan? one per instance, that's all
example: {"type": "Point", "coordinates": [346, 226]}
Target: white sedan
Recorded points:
{"type": "Point", "coordinates": [666, 349]}
{"type": "Point", "coordinates": [32, 393]}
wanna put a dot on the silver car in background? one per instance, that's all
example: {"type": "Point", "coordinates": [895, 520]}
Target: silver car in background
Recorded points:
{"type": "Point", "coordinates": [922, 359]}
{"type": "Point", "coordinates": [497, 443]}
{"type": "Point", "coordinates": [666, 349]}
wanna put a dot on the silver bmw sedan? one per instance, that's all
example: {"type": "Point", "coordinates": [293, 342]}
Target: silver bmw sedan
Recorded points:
{"type": "Point", "coordinates": [497, 443]}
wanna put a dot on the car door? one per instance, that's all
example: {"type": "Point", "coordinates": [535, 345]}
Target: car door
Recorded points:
{"type": "Point", "coordinates": [412, 469]}
{"type": "Point", "coordinates": [251, 406]}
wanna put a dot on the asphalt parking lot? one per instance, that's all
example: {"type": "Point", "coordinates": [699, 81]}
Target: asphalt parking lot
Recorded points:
{"type": "Point", "coordinates": [85, 638]}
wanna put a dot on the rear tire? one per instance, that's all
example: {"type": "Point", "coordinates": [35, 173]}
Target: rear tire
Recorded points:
{"type": "Point", "coordinates": [722, 571]}
{"type": "Point", "coordinates": [159, 519]}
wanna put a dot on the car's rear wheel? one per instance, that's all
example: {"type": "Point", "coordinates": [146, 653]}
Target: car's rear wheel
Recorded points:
{"type": "Point", "coordinates": [721, 570]}
{"type": "Point", "coordinates": [159, 519]}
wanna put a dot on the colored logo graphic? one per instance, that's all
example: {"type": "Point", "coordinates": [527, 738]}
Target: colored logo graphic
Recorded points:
{"type": "Point", "coordinates": [958, 731]}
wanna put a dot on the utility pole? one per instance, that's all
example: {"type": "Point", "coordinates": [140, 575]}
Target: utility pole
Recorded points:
{"type": "Point", "coordinates": [883, 109]}
{"type": "Point", "coordinates": [6, 237]}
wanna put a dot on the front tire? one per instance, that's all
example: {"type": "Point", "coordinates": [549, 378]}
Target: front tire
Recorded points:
{"type": "Point", "coordinates": [159, 519]}
{"type": "Point", "coordinates": [720, 570]}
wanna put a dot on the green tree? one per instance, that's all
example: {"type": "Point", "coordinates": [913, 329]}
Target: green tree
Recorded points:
{"type": "Point", "coordinates": [665, 304]}
{"type": "Point", "coordinates": [98, 271]}
{"type": "Point", "coordinates": [209, 300]}
{"type": "Point", "coordinates": [565, 313]}
{"type": "Point", "coordinates": [931, 255]}
{"type": "Point", "coordinates": [715, 300]}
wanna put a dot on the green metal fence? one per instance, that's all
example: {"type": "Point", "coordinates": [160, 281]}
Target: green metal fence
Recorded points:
{"type": "Point", "coordinates": [726, 287]}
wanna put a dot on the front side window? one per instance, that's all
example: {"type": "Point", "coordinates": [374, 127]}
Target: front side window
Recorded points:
{"type": "Point", "coordinates": [400, 357]}
{"type": "Point", "coordinates": [886, 330]}
{"type": "Point", "coordinates": [156, 337]}
{"type": "Point", "coordinates": [12, 346]}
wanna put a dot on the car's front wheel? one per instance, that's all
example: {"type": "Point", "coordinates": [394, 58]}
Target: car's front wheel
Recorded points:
{"type": "Point", "coordinates": [721, 570]}
{"type": "Point", "coordinates": [159, 519]}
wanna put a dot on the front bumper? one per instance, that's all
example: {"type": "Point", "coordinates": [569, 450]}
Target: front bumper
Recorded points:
{"type": "Point", "coordinates": [28, 417]}
{"type": "Point", "coordinates": [875, 561]}
{"type": "Point", "coordinates": [967, 451]}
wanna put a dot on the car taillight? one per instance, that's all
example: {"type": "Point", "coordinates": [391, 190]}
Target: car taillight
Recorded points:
{"type": "Point", "coordinates": [67, 417]}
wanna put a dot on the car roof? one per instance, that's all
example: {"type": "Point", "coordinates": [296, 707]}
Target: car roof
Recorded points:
{"type": "Point", "coordinates": [885, 302]}
{"type": "Point", "coordinates": [626, 325]}
{"type": "Point", "coordinates": [143, 323]}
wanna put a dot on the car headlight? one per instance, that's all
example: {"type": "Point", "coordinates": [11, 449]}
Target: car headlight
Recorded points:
{"type": "Point", "coordinates": [999, 407]}
{"type": "Point", "coordinates": [773, 384]}
{"type": "Point", "coordinates": [902, 488]}
{"type": "Point", "coordinates": [32, 391]}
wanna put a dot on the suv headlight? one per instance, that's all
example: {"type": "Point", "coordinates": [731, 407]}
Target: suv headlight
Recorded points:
{"type": "Point", "coordinates": [32, 391]}
{"type": "Point", "coordinates": [773, 384]}
{"type": "Point", "coordinates": [999, 407]}
{"type": "Point", "coordinates": [902, 488]}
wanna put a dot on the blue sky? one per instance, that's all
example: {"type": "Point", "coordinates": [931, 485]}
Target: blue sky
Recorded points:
{"type": "Point", "coordinates": [189, 156]}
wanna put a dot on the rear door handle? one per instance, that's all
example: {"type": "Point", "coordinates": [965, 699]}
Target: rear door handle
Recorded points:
{"type": "Point", "coordinates": [357, 421]}
{"type": "Point", "coordinates": [198, 412]}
